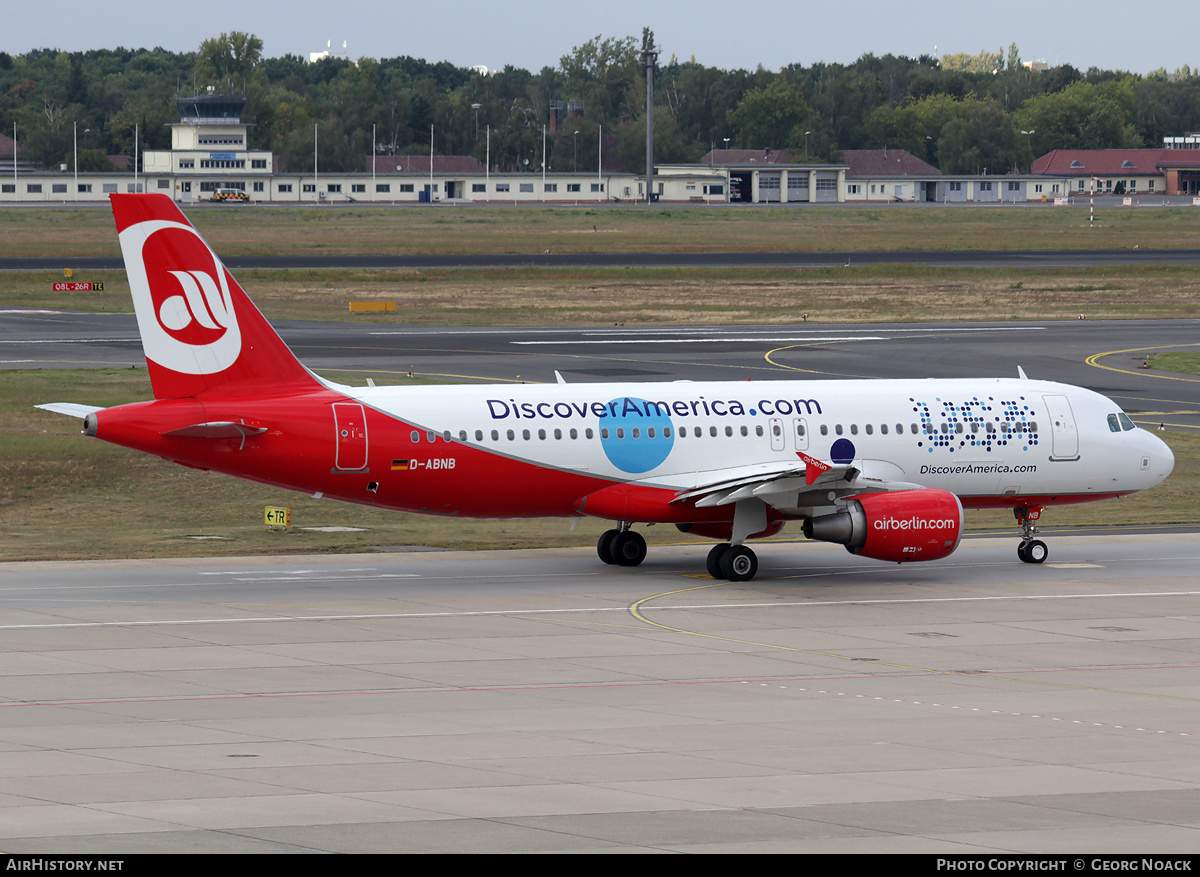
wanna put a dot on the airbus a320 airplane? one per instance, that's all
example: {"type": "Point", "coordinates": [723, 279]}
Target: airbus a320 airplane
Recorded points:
{"type": "Point", "coordinates": [882, 467]}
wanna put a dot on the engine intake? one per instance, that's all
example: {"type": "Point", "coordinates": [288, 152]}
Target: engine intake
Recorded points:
{"type": "Point", "coordinates": [904, 526]}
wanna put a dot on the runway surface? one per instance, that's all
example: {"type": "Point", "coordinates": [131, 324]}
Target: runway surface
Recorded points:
{"type": "Point", "coordinates": [1103, 355]}
{"type": "Point", "coordinates": [541, 701]}
{"type": "Point", "coordinates": [1040, 259]}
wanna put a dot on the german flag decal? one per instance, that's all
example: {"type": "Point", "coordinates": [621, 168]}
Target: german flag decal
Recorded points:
{"type": "Point", "coordinates": [399, 465]}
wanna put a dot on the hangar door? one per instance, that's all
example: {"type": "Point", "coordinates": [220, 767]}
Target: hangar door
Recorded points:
{"type": "Point", "coordinates": [768, 186]}
{"type": "Point", "coordinates": [797, 186]}
{"type": "Point", "coordinates": [826, 186]}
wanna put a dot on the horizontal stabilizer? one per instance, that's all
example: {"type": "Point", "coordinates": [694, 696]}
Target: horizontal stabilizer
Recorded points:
{"type": "Point", "coordinates": [218, 430]}
{"type": "Point", "coordinates": [71, 409]}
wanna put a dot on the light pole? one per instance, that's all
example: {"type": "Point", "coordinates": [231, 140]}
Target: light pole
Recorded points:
{"type": "Point", "coordinates": [575, 162]}
{"type": "Point", "coordinates": [1029, 145]}
{"type": "Point", "coordinates": [476, 108]}
{"type": "Point", "coordinates": [806, 133]}
{"type": "Point", "coordinates": [649, 60]}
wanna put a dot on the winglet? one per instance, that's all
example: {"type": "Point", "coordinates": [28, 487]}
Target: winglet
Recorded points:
{"type": "Point", "coordinates": [813, 468]}
{"type": "Point", "coordinates": [1021, 374]}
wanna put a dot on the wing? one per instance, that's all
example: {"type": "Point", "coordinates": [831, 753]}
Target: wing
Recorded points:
{"type": "Point", "coordinates": [794, 486]}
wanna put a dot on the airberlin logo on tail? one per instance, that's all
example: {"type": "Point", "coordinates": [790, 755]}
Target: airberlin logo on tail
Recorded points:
{"type": "Point", "coordinates": [181, 294]}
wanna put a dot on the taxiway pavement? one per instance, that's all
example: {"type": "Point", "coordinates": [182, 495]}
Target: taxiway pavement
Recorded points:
{"type": "Point", "coordinates": [541, 701]}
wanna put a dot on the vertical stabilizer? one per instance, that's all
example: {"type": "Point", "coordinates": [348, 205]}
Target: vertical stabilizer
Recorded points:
{"type": "Point", "coordinates": [200, 331]}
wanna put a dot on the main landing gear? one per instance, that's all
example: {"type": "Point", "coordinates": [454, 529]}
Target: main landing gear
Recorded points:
{"type": "Point", "coordinates": [624, 547]}
{"type": "Point", "coordinates": [1030, 550]}
{"type": "Point", "coordinates": [736, 563]}
{"type": "Point", "coordinates": [731, 560]}
{"type": "Point", "coordinates": [621, 547]}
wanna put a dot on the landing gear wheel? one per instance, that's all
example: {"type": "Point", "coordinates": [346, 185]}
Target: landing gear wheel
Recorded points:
{"type": "Point", "coordinates": [1021, 551]}
{"type": "Point", "coordinates": [628, 548]}
{"type": "Point", "coordinates": [739, 564]}
{"type": "Point", "coordinates": [714, 559]}
{"type": "Point", "coordinates": [604, 545]}
{"type": "Point", "coordinates": [1036, 551]}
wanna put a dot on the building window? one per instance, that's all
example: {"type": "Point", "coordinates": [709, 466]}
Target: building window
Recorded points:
{"type": "Point", "coordinates": [57, 188]}
{"type": "Point", "coordinates": [406, 187]}
{"type": "Point", "coordinates": [236, 164]}
{"type": "Point", "coordinates": [164, 184]}
{"type": "Point", "coordinates": [258, 187]}
{"type": "Point", "coordinates": [1014, 187]}
{"type": "Point", "coordinates": [597, 187]}
{"type": "Point", "coordinates": [383, 187]}
{"type": "Point", "coordinates": [110, 187]}
{"type": "Point", "coordinates": [852, 189]}
{"type": "Point", "coordinates": [9, 189]}
{"type": "Point", "coordinates": [501, 187]}
{"type": "Point", "coordinates": [573, 187]}
{"type": "Point", "coordinates": [478, 187]}
{"type": "Point", "coordinates": [526, 187]}
{"type": "Point", "coordinates": [550, 187]}
{"type": "Point", "coordinates": [985, 187]}
{"type": "Point", "coordinates": [259, 164]}
{"type": "Point", "coordinates": [187, 163]}
{"type": "Point", "coordinates": [309, 187]}
{"type": "Point", "coordinates": [85, 188]}
{"type": "Point", "coordinates": [359, 187]}
{"type": "Point", "coordinates": [285, 187]}
{"type": "Point", "coordinates": [333, 187]}
{"type": "Point", "coordinates": [955, 187]}
{"type": "Point", "coordinates": [33, 188]}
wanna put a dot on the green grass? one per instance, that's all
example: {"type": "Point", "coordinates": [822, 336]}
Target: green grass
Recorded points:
{"type": "Point", "coordinates": [527, 296]}
{"type": "Point", "coordinates": [617, 228]}
{"type": "Point", "coordinates": [64, 496]}
{"type": "Point", "coordinates": [1186, 363]}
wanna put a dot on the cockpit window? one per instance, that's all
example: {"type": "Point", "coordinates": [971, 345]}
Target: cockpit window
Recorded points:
{"type": "Point", "coordinates": [1126, 423]}
{"type": "Point", "coordinates": [1114, 424]}
{"type": "Point", "coordinates": [1120, 421]}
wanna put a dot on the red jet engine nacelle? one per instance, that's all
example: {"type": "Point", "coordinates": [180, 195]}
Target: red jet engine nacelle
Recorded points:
{"type": "Point", "coordinates": [903, 526]}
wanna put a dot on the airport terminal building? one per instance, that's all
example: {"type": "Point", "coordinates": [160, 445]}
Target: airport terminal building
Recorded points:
{"type": "Point", "coordinates": [209, 152]}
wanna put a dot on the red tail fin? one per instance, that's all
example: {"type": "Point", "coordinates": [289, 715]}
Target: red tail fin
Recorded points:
{"type": "Point", "coordinates": [200, 331]}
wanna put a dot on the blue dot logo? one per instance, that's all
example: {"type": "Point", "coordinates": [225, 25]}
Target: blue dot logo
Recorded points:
{"type": "Point", "coordinates": [639, 436]}
{"type": "Point", "coordinates": [842, 452]}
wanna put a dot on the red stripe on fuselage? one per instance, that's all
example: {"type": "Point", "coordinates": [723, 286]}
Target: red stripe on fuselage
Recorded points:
{"type": "Point", "coordinates": [299, 452]}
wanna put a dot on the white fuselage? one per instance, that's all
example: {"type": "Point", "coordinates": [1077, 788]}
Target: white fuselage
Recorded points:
{"type": "Point", "coordinates": [979, 439]}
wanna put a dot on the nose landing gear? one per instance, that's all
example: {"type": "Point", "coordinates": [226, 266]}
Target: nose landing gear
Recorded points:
{"type": "Point", "coordinates": [1030, 550]}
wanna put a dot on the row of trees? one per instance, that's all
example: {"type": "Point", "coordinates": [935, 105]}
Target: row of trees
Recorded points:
{"type": "Point", "coordinates": [961, 113]}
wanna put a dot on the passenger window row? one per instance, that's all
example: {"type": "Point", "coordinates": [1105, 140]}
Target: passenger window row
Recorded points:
{"type": "Point", "coordinates": [572, 434]}
{"type": "Point", "coordinates": [1005, 427]}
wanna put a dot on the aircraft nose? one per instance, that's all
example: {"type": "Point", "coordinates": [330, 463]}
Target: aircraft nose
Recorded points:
{"type": "Point", "coordinates": [1160, 457]}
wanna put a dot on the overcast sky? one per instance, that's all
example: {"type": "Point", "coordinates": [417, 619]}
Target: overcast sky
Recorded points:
{"type": "Point", "coordinates": [536, 33]}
